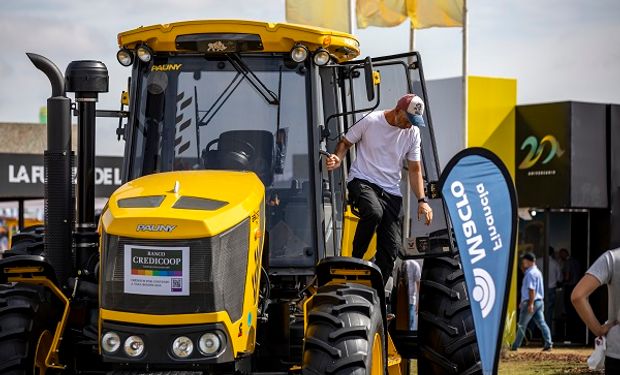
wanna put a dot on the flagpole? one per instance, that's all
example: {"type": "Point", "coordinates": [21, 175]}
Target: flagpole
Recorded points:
{"type": "Point", "coordinates": [351, 9]}
{"type": "Point", "coordinates": [465, 83]}
{"type": "Point", "coordinates": [411, 41]}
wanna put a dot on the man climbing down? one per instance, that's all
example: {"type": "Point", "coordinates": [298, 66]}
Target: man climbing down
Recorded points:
{"type": "Point", "coordinates": [383, 140]}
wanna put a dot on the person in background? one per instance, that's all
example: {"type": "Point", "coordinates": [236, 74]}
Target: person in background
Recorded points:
{"type": "Point", "coordinates": [413, 273]}
{"type": "Point", "coordinates": [554, 281]}
{"type": "Point", "coordinates": [571, 269]}
{"type": "Point", "coordinates": [605, 270]}
{"type": "Point", "coordinates": [532, 305]}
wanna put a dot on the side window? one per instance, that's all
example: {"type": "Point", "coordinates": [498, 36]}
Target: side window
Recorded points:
{"type": "Point", "coordinates": [393, 85]}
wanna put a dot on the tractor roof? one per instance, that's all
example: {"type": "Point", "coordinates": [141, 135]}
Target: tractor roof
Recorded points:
{"type": "Point", "coordinates": [275, 37]}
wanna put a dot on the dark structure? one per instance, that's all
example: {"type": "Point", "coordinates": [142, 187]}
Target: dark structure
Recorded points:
{"type": "Point", "coordinates": [568, 179]}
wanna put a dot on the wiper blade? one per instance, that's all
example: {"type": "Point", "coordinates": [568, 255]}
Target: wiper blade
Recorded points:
{"type": "Point", "coordinates": [244, 69]}
{"type": "Point", "coordinates": [220, 100]}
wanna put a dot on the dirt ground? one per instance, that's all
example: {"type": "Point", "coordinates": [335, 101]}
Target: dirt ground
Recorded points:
{"type": "Point", "coordinates": [531, 361]}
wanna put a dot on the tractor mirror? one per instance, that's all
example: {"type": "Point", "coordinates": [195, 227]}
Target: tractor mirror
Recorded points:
{"type": "Point", "coordinates": [369, 77]}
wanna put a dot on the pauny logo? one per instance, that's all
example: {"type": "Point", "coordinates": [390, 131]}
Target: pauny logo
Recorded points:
{"type": "Point", "coordinates": [155, 228]}
{"type": "Point", "coordinates": [217, 46]}
{"type": "Point", "coordinates": [536, 150]}
{"type": "Point", "coordinates": [166, 67]}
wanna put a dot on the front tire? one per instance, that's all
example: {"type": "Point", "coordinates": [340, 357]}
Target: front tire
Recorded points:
{"type": "Point", "coordinates": [345, 333]}
{"type": "Point", "coordinates": [447, 335]}
{"type": "Point", "coordinates": [28, 318]}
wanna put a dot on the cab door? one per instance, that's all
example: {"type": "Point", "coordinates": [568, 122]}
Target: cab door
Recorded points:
{"type": "Point", "coordinates": [345, 103]}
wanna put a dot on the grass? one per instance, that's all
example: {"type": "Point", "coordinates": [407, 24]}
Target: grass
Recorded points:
{"type": "Point", "coordinates": [531, 361]}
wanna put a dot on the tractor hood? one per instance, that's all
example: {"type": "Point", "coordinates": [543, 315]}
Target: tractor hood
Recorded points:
{"type": "Point", "coordinates": [181, 205]}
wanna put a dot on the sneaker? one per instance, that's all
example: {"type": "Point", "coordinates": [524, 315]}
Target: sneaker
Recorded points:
{"type": "Point", "coordinates": [547, 349]}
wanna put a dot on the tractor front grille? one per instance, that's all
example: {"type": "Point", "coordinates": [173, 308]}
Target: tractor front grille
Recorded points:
{"type": "Point", "coordinates": [218, 270]}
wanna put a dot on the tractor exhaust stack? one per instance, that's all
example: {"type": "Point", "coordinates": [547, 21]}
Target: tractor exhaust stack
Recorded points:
{"type": "Point", "coordinates": [58, 160]}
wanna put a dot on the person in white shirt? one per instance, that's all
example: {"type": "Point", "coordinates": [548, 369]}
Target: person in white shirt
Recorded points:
{"type": "Point", "coordinates": [384, 139]}
{"type": "Point", "coordinates": [409, 276]}
{"type": "Point", "coordinates": [605, 271]}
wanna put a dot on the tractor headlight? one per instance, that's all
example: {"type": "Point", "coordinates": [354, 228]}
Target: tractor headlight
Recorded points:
{"type": "Point", "coordinates": [134, 346]}
{"type": "Point", "coordinates": [299, 53]}
{"type": "Point", "coordinates": [110, 342]}
{"type": "Point", "coordinates": [209, 343]}
{"type": "Point", "coordinates": [124, 57]}
{"type": "Point", "coordinates": [321, 56]}
{"type": "Point", "coordinates": [144, 53]}
{"type": "Point", "coordinates": [182, 347]}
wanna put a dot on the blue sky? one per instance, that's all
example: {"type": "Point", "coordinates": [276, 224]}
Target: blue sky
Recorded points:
{"type": "Point", "coordinates": [556, 49]}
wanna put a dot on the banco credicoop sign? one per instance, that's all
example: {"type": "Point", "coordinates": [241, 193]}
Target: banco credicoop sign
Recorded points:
{"type": "Point", "coordinates": [481, 201]}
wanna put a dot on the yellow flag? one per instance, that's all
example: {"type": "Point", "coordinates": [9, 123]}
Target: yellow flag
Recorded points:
{"type": "Point", "coordinates": [381, 13]}
{"type": "Point", "coordinates": [435, 13]}
{"type": "Point", "coordinates": [331, 14]}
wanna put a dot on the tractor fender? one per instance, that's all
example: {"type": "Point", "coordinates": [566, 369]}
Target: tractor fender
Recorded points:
{"type": "Point", "coordinates": [349, 268]}
{"type": "Point", "coordinates": [353, 270]}
{"type": "Point", "coordinates": [26, 264]}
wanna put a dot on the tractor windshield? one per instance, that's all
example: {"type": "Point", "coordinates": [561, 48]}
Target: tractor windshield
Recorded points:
{"type": "Point", "coordinates": [233, 112]}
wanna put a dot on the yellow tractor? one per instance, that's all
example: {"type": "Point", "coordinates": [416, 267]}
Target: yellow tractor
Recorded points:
{"type": "Point", "coordinates": [227, 249]}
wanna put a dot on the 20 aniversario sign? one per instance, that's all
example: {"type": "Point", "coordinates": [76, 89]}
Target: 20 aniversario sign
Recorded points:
{"type": "Point", "coordinates": [156, 271]}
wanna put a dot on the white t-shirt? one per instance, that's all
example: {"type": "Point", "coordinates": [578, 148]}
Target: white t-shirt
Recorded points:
{"type": "Point", "coordinates": [603, 270]}
{"type": "Point", "coordinates": [414, 273]}
{"type": "Point", "coordinates": [381, 149]}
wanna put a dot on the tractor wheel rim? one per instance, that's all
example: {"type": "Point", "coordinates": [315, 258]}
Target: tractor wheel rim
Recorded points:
{"type": "Point", "coordinates": [40, 355]}
{"type": "Point", "coordinates": [376, 361]}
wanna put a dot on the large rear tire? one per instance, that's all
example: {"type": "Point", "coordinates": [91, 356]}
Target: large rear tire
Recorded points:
{"type": "Point", "coordinates": [345, 334]}
{"type": "Point", "coordinates": [446, 331]}
{"type": "Point", "coordinates": [28, 317]}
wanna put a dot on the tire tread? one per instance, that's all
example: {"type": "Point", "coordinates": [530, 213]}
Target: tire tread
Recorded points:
{"type": "Point", "coordinates": [448, 343]}
{"type": "Point", "coordinates": [25, 311]}
{"type": "Point", "coordinates": [342, 320]}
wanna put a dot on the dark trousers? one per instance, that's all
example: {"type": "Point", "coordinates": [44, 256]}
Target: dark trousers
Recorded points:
{"type": "Point", "coordinates": [612, 366]}
{"type": "Point", "coordinates": [381, 212]}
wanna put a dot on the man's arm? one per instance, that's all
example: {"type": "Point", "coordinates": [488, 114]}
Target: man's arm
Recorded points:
{"type": "Point", "coordinates": [335, 159]}
{"type": "Point", "coordinates": [417, 186]}
{"type": "Point", "coordinates": [579, 298]}
{"type": "Point", "coordinates": [530, 303]}
{"type": "Point", "coordinates": [415, 178]}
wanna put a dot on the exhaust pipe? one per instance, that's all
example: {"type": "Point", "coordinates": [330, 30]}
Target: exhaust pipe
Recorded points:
{"type": "Point", "coordinates": [87, 79]}
{"type": "Point", "coordinates": [58, 161]}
